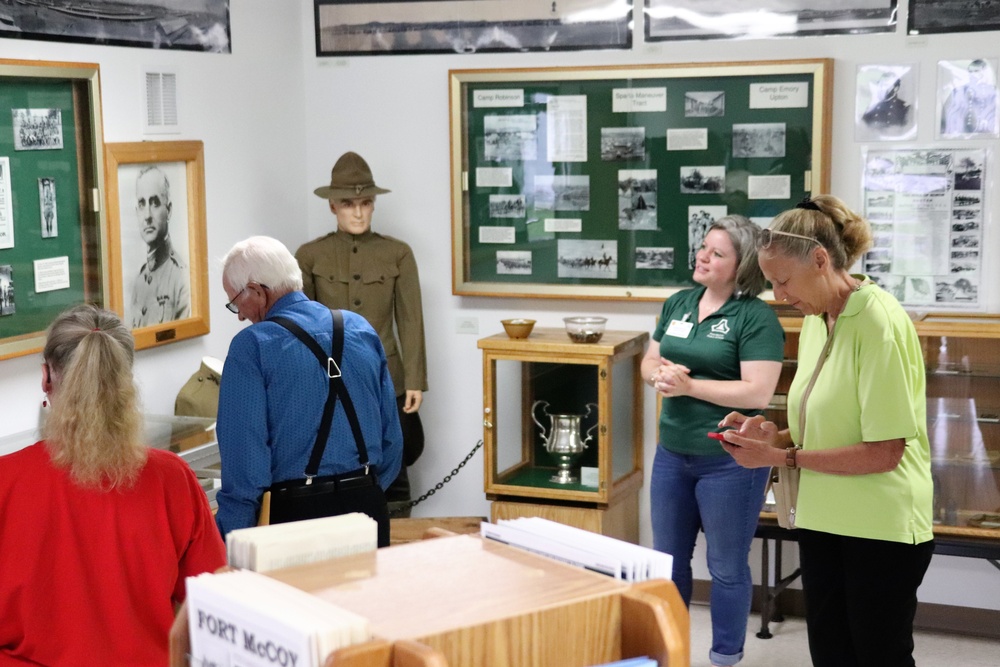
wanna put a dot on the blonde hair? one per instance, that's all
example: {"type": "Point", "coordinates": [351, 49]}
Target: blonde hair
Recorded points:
{"type": "Point", "coordinates": [843, 233]}
{"type": "Point", "coordinates": [95, 426]}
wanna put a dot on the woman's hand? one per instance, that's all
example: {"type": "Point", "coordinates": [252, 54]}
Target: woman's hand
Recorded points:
{"type": "Point", "coordinates": [753, 442]}
{"type": "Point", "coordinates": [672, 379]}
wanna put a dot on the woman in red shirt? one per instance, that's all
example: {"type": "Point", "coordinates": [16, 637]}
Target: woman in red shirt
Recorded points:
{"type": "Point", "coordinates": [97, 531]}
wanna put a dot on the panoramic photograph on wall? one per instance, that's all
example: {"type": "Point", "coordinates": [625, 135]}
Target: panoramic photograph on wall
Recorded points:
{"type": "Point", "coordinates": [353, 27]}
{"type": "Point", "coordinates": [191, 25]}
{"type": "Point", "coordinates": [756, 19]}
{"type": "Point", "coordinates": [952, 16]}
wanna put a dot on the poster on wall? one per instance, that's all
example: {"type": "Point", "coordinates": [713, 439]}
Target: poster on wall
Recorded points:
{"type": "Point", "coordinates": [353, 27]}
{"type": "Point", "coordinates": [967, 99]}
{"type": "Point", "coordinates": [886, 103]}
{"type": "Point", "coordinates": [926, 209]}
{"type": "Point", "coordinates": [932, 16]}
{"type": "Point", "coordinates": [191, 25]}
{"type": "Point", "coordinates": [756, 19]}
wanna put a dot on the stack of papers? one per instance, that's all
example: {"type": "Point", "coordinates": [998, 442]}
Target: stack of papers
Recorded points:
{"type": "Point", "coordinates": [631, 662]}
{"type": "Point", "coordinates": [244, 618]}
{"type": "Point", "coordinates": [266, 548]}
{"type": "Point", "coordinates": [615, 558]}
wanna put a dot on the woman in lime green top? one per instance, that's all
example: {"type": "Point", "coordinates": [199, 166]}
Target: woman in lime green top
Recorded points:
{"type": "Point", "coordinates": [865, 495]}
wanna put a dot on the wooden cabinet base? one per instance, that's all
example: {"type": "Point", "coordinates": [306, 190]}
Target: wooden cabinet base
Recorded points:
{"type": "Point", "coordinates": [620, 519]}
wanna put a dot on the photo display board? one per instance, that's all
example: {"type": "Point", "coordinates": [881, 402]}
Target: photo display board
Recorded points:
{"type": "Point", "coordinates": [601, 182]}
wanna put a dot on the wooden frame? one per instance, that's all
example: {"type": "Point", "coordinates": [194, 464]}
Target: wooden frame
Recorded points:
{"type": "Point", "coordinates": [75, 163]}
{"type": "Point", "coordinates": [533, 218]}
{"type": "Point", "coordinates": [170, 301]}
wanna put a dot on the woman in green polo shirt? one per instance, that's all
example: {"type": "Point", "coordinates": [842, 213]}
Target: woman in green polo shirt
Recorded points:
{"type": "Point", "coordinates": [865, 494]}
{"type": "Point", "coordinates": [716, 348]}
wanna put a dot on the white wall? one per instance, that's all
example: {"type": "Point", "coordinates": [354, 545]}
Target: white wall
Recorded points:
{"type": "Point", "coordinates": [274, 118]}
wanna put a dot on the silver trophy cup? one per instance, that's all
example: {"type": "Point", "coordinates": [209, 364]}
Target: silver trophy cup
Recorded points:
{"type": "Point", "coordinates": [563, 440]}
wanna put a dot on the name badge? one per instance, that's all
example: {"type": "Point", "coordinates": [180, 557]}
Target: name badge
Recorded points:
{"type": "Point", "coordinates": [679, 328]}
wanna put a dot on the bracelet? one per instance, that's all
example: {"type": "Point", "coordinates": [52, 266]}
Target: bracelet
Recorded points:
{"type": "Point", "coordinates": [790, 452]}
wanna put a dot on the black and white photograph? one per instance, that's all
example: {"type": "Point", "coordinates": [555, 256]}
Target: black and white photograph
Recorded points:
{"type": "Point", "coordinates": [512, 138]}
{"type": "Point", "coordinates": [154, 242]}
{"type": "Point", "coordinates": [507, 206]}
{"type": "Point", "coordinates": [6, 290]}
{"type": "Point", "coordinates": [192, 25]}
{"type": "Point", "coordinates": [697, 180]}
{"type": "Point", "coordinates": [363, 27]}
{"type": "Point", "coordinates": [704, 104]}
{"type": "Point", "coordinates": [623, 143]}
{"type": "Point", "coordinates": [562, 193]}
{"type": "Point", "coordinates": [587, 259]}
{"type": "Point", "coordinates": [918, 290]}
{"type": "Point", "coordinates": [967, 99]}
{"type": "Point", "coordinates": [637, 199]}
{"type": "Point", "coordinates": [933, 16]}
{"type": "Point", "coordinates": [654, 258]}
{"type": "Point", "coordinates": [37, 129]}
{"type": "Point", "coordinates": [47, 206]}
{"type": "Point", "coordinates": [700, 218]}
{"type": "Point", "coordinates": [759, 140]}
{"type": "Point", "coordinates": [878, 267]}
{"type": "Point", "coordinates": [886, 103]}
{"type": "Point", "coordinates": [966, 226]}
{"type": "Point", "coordinates": [881, 199]}
{"type": "Point", "coordinates": [514, 262]}
{"type": "Point", "coordinates": [968, 170]}
{"type": "Point", "coordinates": [758, 19]}
{"type": "Point", "coordinates": [958, 291]}
{"type": "Point", "coordinates": [964, 199]}
{"type": "Point", "coordinates": [965, 241]}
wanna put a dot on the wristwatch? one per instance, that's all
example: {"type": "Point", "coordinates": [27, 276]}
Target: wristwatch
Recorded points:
{"type": "Point", "coordinates": [790, 456]}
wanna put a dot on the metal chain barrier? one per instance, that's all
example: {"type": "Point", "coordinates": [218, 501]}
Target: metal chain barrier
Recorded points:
{"type": "Point", "coordinates": [413, 503]}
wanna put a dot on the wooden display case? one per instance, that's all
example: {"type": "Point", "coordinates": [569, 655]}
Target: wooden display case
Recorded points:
{"type": "Point", "coordinates": [962, 359]}
{"type": "Point", "coordinates": [462, 601]}
{"type": "Point", "coordinates": [598, 388]}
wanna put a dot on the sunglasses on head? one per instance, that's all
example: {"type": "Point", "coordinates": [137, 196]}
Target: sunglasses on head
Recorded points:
{"type": "Point", "coordinates": [766, 238]}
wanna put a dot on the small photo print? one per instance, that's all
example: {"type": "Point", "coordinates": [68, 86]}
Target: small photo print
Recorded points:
{"type": "Point", "coordinates": [637, 199]}
{"type": "Point", "coordinates": [885, 104]}
{"type": "Point", "coordinates": [700, 218]}
{"type": "Point", "coordinates": [695, 180]}
{"type": "Point", "coordinates": [966, 199]}
{"type": "Point", "coordinates": [654, 258]}
{"type": "Point", "coordinates": [587, 259]}
{"type": "Point", "coordinates": [759, 140]}
{"type": "Point", "coordinates": [918, 290]}
{"type": "Point", "coordinates": [562, 193]}
{"type": "Point", "coordinates": [47, 205]}
{"type": "Point", "coordinates": [6, 289]}
{"type": "Point", "coordinates": [704, 104]}
{"type": "Point", "coordinates": [958, 291]}
{"type": "Point", "coordinates": [514, 262]}
{"type": "Point", "coordinates": [37, 129]}
{"type": "Point", "coordinates": [968, 168]}
{"type": "Point", "coordinates": [510, 138]}
{"type": "Point", "coordinates": [507, 206]}
{"type": "Point", "coordinates": [967, 99]}
{"type": "Point", "coordinates": [623, 143]}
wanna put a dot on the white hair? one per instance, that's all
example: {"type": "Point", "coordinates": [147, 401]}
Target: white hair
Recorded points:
{"type": "Point", "coordinates": [263, 260]}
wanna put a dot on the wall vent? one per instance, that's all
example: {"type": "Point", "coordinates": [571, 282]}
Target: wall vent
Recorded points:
{"type": "Point", "coordinates": [161, 103]}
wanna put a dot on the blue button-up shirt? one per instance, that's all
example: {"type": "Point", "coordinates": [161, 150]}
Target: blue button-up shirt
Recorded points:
{"type": "Point", "coordinates": [271, 399]}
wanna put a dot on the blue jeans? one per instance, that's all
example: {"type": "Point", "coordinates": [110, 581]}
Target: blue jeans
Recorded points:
{"type": "Point", "coordinates": [722, 498]}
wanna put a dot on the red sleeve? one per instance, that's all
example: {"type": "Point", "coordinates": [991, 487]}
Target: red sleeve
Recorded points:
{"type": "Point", "coordinates": [205, 551]}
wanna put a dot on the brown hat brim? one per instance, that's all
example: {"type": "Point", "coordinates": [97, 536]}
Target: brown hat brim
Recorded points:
{"type": "Point", "coordinates": [329, 192]}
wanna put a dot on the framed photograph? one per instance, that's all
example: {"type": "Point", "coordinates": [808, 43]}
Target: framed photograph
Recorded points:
{"type": "Point", "coordinates": [967, 99]}
{"type": "Point", "coordinates": [886, 103]}
{"type": "Point", "coordinates": [754, 19]}
{"type": "Point", "coordinates": [164, 24]}
{"type": "Point", "coordinates": [157, 239]}
{"type": "Point", "coordinates": [576, 182]}
{"type": "Point", "coordinates": [363, 27]}
{"type": "Point", "coordinates": [930, 16]}
{"type": "Point", "coordinates": [52, 243]}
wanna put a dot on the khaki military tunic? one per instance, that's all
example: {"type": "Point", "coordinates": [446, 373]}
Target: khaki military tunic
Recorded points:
{"type": "Point", "coordinates": [161, 292]}
{"type": "Point", "coordinates": [376, 277]}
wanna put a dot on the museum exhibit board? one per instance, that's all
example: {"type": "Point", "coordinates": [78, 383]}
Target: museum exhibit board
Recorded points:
{"type": "Point", "coordinates": [562, 429]}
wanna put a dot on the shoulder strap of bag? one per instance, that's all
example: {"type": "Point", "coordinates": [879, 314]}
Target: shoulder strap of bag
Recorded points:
{"type": "Point", "coordinates": [331, 366]}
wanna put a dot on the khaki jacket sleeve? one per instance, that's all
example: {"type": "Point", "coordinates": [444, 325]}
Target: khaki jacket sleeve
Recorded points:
{"type": "Point", "coordinates": [409, 318]}
{"type": "Point", "coordinates": [306, 260]}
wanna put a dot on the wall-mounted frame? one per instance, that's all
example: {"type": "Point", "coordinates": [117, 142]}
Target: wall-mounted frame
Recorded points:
{"type": "Point", "coordinates": [53, 252]}
{"type": "Point", "coordinates": [599, 182]}
{"type": "Point", "coordinates": [157, 239]}
{"type": "Point", "coordinates": [934, 16]}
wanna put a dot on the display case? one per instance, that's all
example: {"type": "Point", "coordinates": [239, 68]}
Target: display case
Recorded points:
{"type": "Point", "coordinates": [962, 360]}
{"type": "Point", "coordinates": [562, 428]}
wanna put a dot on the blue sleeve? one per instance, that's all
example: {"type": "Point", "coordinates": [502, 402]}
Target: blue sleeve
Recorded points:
{"type": "Point", "coordinates": [242, 433]}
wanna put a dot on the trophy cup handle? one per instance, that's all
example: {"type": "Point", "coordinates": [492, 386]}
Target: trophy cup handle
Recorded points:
{"type": "Point", "coordinates": [589, 434]}
{"type": "Point", "coordinates": [541, 429]}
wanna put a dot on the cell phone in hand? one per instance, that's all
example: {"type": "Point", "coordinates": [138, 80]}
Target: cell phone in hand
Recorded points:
{"type": "Point", "coordinates": [717, 436]}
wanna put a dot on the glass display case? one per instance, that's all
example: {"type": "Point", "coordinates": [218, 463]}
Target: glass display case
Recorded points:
{"type": "Point", "coordinates": [562, 428]}
{"type": "Point", "coordinates": [962, 360]}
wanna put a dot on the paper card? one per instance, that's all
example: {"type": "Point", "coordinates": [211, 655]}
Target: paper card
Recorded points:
{"type": "Point", "coordinates": [693, 139]}
{"type": "Point", "coordinates": [563, 225]}
{"type": "Point", "coordinates": [626, 100]}
{"type": "Point", "coordinates": [769, 187]}
{"type": "Point", "coordinates": [496, 234]}
{"type": "Point", "coordinates": [787, 95]}
{"type": "Point", "coordinates": [494, 177]}
{"type": "Point", "coordinates": [51, 274]}
{"type": "Point", "coordinates": [498, 98]}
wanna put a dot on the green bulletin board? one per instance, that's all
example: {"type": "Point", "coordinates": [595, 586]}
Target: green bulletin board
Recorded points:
{"type": "Point", "coordinates": [596, 182]}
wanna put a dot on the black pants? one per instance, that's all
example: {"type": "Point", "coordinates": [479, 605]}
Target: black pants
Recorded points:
{"type": "Point", "coordinates": [398, 493]}
{"type": "Point", "coordinates": [861, 597]}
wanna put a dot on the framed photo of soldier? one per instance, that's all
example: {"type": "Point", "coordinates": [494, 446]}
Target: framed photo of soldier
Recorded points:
{"type": "Point", "coordinates": [157, 239]}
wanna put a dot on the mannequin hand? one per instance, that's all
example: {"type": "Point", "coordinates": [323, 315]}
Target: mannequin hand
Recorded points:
{"type": "Point", "coordinates": [414, 397]}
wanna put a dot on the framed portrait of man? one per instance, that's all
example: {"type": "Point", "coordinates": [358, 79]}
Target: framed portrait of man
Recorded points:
{"type": "Point", "coordinates": [156, 206]}
{"type": "Point", "coordinates": [886, 103]}
{"type": "Point", "coordinates": [967, 99]}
